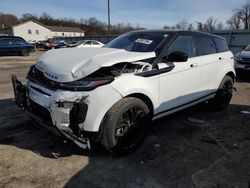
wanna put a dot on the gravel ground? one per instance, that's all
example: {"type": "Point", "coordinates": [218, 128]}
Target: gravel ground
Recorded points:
{"type": "Point", "coordinates": [176, 147]}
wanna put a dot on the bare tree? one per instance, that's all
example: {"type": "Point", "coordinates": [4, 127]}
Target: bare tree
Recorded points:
{"type": "Point", "coordinates": [167, 27]}
{"type": "Point", "coordinates": [219, 26]}
{"type": "Point", "coordinates": [178, 26]}
{"type": "Point", "coordinates": [95, 27]}
{"type": "Point", "coordinates": [182, 25]}
{"type": "Point", "coordinates": [8, 20]}
{"type": "Point", "coordinates": [210, 24]}
{"type": "Point", "coordinates": [46, 19]}
{"type": "Point", "coordinates": [200, 26]}
{"type": "Point", "coordinates": [190, 27]}
{"type": "Point", "coordinates": [28, 16]}
{"type": "Point", "coordinates": [244, 14]}
{"type": "Point", "coordinates": [235, 21]}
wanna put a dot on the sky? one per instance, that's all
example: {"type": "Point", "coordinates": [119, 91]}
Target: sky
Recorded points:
{"type": "Point", "coordinates": [151, 14]}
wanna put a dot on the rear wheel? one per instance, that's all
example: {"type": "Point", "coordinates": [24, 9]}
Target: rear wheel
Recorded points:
{"type": "Point", "coordinates": [223, 95]}
{"type": "Point", "coordinates": [24, 52]}
{"type": "Point", "coordinates": [124, 125]}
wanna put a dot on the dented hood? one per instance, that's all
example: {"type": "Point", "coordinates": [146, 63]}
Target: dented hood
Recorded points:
{"type": "Point", "coordinates": [70, 64]}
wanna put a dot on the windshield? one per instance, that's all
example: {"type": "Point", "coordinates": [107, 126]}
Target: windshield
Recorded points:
{"type": "Point", "coordinates": [137, 42]}
{"type": "Point", "coordinates": [247, 48]}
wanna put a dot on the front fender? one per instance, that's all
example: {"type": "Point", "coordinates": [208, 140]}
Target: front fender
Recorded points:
{"type": "Point", "coordinates": [131, 84]}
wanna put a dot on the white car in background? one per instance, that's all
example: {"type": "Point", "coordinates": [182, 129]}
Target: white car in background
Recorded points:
{"type": "Point", "coordinates": [88, 43]}
{"type": "Point", "coordinates": [242, 59]}
{"type": "Point", "coordinates": [111, 94]}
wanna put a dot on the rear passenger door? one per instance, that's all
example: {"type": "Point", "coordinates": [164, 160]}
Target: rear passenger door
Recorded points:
{"type": "Point", "coordinates": [209, 60]}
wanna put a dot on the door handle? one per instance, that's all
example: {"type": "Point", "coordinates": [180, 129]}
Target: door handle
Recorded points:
{"type": "Point", "coordinates": [194, 65]}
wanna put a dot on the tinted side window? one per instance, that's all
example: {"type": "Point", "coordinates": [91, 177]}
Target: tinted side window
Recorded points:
{"type": "Point", "coordinates": [18, 41]}
{"type": "Point", "coordinates": [88, 42]}
{"type": "Point", "coordinates": [221, 45]}
{"type": "Point", "coordinates": [183, 44]}
{"type": "Point", "coordinates": [95, 43]}
{"type": "Point", "coordinates": [205, 46]}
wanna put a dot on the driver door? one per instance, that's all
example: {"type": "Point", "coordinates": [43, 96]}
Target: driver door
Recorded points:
{"type": "Point", "coordinates": [180, 86]}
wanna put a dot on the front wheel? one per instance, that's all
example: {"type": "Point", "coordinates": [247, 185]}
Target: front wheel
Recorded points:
{"type": "Point", "coordinates": [223, 95]}
{"type": "Point", "coordinates": [124, 125]}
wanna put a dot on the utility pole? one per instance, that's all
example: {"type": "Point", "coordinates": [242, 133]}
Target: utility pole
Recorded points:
{"type": "Point", "coordinates": [108, 18]}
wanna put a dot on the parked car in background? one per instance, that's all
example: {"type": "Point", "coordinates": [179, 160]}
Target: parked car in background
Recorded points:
{"type": "Point", "coordinates": [40, 43]}
{"type": "Point", "coordinates": [111, 94]}
{"type": "Point", "coordinates": [32, 42]}
{"type": "Point", "coordinates": [88, 43]}
{"type": "Point", "coordinates": [10, 45]}
{"type": "Point", "coordinates": [54, 44]}
{"type": "Point", "coordinates": [242, 59]}
{"type": "Point", "coordinates": [72, 44]}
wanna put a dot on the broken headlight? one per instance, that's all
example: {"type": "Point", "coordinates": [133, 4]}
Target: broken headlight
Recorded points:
{"type": "Point", "coordinates": [86, 84]}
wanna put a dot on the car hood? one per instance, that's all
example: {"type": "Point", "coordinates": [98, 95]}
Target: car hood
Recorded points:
{"type": "Point", "coordinates": [70, 64]}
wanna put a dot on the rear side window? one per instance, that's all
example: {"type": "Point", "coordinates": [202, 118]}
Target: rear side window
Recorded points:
{"type": "Point", "coordinates": [221, 45]}
{"type": "Point", "coordinates": [205, 46]}
{"type": "Point", "coordinates": [18, 41]}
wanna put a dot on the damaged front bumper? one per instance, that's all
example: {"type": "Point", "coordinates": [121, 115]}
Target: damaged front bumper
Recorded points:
{"type": "Point", "coordinates": [62, 117]}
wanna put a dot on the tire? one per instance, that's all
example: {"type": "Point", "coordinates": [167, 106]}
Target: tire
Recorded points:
{"type": "Point", "coordinates": [124, 126]}
{"type": "Point", "coordinates": [24, 52]}
{"type": "Point", "coordinates": [223, 95]}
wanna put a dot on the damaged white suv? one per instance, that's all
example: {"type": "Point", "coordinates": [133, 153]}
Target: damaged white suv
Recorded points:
{"type": "Point", "coordinates": [111, 94]}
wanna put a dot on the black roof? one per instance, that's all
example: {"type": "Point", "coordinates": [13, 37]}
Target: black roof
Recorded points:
{"type": "Point", "coordinates": [180, 32]}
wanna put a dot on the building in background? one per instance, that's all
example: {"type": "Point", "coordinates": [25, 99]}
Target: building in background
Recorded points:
{"type": "Point", "coordinates": [59, 31]}
{"type": "Point", "coordinates": [33, 30]}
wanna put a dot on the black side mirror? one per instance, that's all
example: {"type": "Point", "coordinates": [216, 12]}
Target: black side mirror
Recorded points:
{"type": "Point", "coordinates": [177, 56]}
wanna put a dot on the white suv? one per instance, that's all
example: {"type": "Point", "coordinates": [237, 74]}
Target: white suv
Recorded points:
{"type": "Point", "coordinates": [111, 94]}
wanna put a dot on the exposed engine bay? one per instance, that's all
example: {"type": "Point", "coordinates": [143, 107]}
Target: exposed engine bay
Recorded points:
{"type": "Point", "coordinates": [105, 75]}
{"type": "Point", "coordinates": [122, 68]}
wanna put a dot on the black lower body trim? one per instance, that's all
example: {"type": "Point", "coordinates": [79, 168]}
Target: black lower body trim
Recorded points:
{"type": "Point", "coordinates": [184, 104]}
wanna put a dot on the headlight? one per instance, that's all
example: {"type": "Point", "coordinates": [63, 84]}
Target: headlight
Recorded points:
{"type": "Point", "coordinates": [85, 84]}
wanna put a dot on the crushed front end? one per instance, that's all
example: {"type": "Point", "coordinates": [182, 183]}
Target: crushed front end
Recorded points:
{"type": "Point", "coordinates": [72, 109]}
{"type": "Point", "coordinates": [47, 109]}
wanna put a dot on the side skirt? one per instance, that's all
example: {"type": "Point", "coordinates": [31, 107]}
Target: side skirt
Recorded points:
{"type": "Point", "coordinates": [183, 106]}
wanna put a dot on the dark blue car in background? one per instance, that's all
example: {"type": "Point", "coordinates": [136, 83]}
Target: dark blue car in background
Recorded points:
{"type": "Point", "coordinates": [10, 45]}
